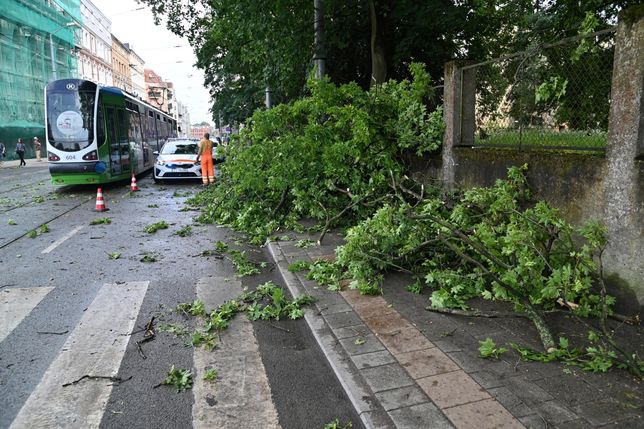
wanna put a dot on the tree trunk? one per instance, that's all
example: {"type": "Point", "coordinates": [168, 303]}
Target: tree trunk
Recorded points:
{"type": "Point", "coordinates": [378, 61]}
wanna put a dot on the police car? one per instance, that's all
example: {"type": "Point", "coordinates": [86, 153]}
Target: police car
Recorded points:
{"type": "Point", "coordinates": [177, 160]}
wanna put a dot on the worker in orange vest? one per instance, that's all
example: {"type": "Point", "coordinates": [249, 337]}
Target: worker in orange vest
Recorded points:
{"type": "Point", "coordinates": [205, 155]}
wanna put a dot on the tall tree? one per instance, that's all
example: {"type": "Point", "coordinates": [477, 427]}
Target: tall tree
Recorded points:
{"type": "Point", "coordinates": [245, 45]}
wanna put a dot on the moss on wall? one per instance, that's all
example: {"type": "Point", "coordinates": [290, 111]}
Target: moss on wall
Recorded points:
{"type": "Point", "coordinates": [572, 182]}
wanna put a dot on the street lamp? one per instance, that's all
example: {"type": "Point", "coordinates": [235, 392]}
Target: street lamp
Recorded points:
{"type": "Point", "coordinates": [51, 45]}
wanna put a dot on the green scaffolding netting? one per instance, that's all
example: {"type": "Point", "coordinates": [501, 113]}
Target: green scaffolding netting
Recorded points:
{"type": "Point", "coordinates": [37, 42]}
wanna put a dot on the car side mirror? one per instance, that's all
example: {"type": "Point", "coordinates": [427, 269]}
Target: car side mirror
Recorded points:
{"type": "Point", "coordinates": [155, 153]}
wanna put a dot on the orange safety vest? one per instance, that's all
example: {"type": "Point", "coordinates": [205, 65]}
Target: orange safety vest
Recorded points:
{"type": "Point", "coordinates": [205, 148]}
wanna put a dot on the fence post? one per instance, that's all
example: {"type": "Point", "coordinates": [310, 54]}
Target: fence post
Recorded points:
{"type": "Point", "coordinates": [458, 113]}
{"type": "Point", "coordinates": [624, 214]}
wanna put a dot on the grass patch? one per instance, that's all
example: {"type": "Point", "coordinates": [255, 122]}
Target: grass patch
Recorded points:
{"type": "Point", "coordinates": [545, 138]}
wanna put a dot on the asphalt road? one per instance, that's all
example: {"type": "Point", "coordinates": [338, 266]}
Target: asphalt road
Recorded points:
{"type": "Point", "coordinates": [72, 316]}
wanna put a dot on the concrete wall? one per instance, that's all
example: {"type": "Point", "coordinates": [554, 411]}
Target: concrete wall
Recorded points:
{"type": "Point", "coordinates": [584, 187]}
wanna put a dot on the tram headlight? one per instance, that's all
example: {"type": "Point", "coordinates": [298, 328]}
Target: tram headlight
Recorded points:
{"type": "Point", "coordinates": [90, 156]}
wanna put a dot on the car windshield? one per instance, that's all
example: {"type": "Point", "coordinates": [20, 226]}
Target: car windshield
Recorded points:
{"type": "Point", "coordinates": [179, 149]}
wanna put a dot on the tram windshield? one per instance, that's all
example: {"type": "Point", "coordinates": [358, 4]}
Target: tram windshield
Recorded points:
{"type": "Point", "coordinates": [70, 116]}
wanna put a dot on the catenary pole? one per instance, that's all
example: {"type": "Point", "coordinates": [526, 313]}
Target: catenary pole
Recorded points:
{"type": "Point", "coordinates": [318, 26]}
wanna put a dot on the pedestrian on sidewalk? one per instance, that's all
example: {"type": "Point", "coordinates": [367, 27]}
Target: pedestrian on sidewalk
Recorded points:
{"type": "Point", "coordinates": [20, 150]}
{"type": "Point", "coordinates": [3, 152]}
{"type": "Point", "coordinates": [205, 155]}
{"type": "Point", "coordinates": [37, 146]}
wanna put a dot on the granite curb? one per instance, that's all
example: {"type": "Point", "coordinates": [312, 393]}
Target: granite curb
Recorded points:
{"type": "Point", "coordinates": [393, 375]}
{"type": "Point", "coordinates": [371, 413]}
{"type": "Point", "coordinates": [403, 367]}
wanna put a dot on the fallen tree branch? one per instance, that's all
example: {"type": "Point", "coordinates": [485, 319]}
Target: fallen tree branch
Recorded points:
{"type": "Point", "coordinates": [282, 200]}
{"type": "Point", "coordinates": [149, 335]}
{"type": "Point", "coordinates": [98, 377]}
{"type": "Point", "coordinates": [476, 313]}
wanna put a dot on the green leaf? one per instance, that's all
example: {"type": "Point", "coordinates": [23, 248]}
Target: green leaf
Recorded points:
{"type": "Point", "coordinates": [179, 378]}
{"type": "Point", "coordinates": [488, 349]}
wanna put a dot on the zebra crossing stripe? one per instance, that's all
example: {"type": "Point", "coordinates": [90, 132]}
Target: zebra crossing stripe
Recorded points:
{"type": "Point", "coordinates": [16, 304]}
{"type": "Point", "coordinates": [241, 396]}
{"type": "Point", "coordinates": [62, 239]}
{"type": "Point", "coordinates": [95, 349]}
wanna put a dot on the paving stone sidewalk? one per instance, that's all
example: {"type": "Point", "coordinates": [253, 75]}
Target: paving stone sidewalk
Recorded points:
{"type": "Point", "coordinates": [404, 367]}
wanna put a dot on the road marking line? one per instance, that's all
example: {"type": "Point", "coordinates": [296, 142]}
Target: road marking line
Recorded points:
{"type": "Point", "coordinates": [62, 239]}
{"type": "Point", "coordinates": [16, 304]}
{"type": "Point", "coordinates": [241, 396]}
{"type": "Point", "coordinates": [95, 348]}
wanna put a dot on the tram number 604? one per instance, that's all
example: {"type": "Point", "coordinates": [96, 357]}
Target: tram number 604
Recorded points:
{"type": "Point", "coordinates": [70, 157]}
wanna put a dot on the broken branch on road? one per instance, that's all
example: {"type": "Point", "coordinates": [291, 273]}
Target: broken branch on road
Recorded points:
{"type": "Point", "coordinates": [98, 377]}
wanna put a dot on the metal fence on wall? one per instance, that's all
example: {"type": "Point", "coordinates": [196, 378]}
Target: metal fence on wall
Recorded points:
{"type": "Point", "coordinates": [554, 96]}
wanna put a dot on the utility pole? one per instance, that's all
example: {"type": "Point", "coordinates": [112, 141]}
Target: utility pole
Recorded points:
{"type": "Point", "coordinates": [318, 25]}
{"type": "Point", "coordinates": [53, 58]}
{"type": "Point", "coordinates": [54, 70]}
{"type": "Point", "coordinates": [268, 101]}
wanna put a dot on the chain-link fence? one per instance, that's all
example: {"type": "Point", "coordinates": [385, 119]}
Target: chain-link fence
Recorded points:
{"type": "Point", "coordinates": [554, 96]}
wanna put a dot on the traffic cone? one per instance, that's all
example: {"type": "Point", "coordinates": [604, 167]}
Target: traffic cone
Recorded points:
{"type": "Point", "coordinates": [100, 202]}
{"type": "Point", "coordinates": [133, 186]}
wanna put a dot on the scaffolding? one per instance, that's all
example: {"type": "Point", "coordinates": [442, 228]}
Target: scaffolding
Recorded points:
{"type": "Point", "coordinates": [37, 45]}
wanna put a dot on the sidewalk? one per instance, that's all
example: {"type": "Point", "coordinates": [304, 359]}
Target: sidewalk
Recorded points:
{"type": "Point", "coordinates": [405, 367]}
{"type": "Point", "coordinates": [31, 162]}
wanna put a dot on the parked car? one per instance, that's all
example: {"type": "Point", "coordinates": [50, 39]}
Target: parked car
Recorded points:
{"type": "Point", "coordinates": [177, 160]}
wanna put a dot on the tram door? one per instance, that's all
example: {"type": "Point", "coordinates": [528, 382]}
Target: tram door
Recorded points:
{"type": "Point", "coordinates": [117, 132]}
{"type": "Point", "coordinates": [124, 140]}
{"type": "Point", "coordinates": [115, 156]}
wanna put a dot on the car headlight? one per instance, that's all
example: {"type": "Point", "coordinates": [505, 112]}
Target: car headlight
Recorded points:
{"type": "Point", "coordinates": [160, 162]}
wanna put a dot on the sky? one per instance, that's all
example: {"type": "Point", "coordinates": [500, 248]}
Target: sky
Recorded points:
{"type": "Point", "coordinates": [133, 23]}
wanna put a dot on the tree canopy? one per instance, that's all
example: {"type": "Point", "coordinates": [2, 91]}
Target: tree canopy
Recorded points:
{"type": "Point", "coordinates": [245, 46]}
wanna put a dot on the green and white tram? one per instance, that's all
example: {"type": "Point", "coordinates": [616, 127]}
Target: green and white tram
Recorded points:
{"type": "Point", "coordinates": [99, 134]}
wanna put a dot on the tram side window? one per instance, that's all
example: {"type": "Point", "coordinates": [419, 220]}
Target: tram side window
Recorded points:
{"type": "Point", "coordinates": [100, 124]}
{"type": "Point", "coordinates": [152, 132]}
{"type": "Point", "coordinates": [134, 131]}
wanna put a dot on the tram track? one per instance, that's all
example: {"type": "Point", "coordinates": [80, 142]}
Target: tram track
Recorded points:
{"type": "Point", "coordinates": [2, 246]}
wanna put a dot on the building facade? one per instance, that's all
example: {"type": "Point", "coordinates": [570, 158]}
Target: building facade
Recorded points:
{"type": "Point", "coordinates": [197, 131]}
{"type": "Point", "coordinates": [95, 55]}
{"type": "Point", "coordinates": [37, 45]}
{"type": "Point", "coordinates": [156, 90]}
{"type": "Point", "coordinates": [45, 40]}
{"type": "Point", "coordinates": [121, 74]}
{"type": "Point", "coordinates": [137, 67]}
{"type": "Point", "coordinates": [183, 120]}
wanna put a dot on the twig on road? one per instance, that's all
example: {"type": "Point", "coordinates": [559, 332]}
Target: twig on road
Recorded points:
{"type": "Point", "coordinates": [280, 328]}
{"type": "Point", "coordinates": [149, 335]}
{"type": "Point", "coordinates": [98, 377]}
